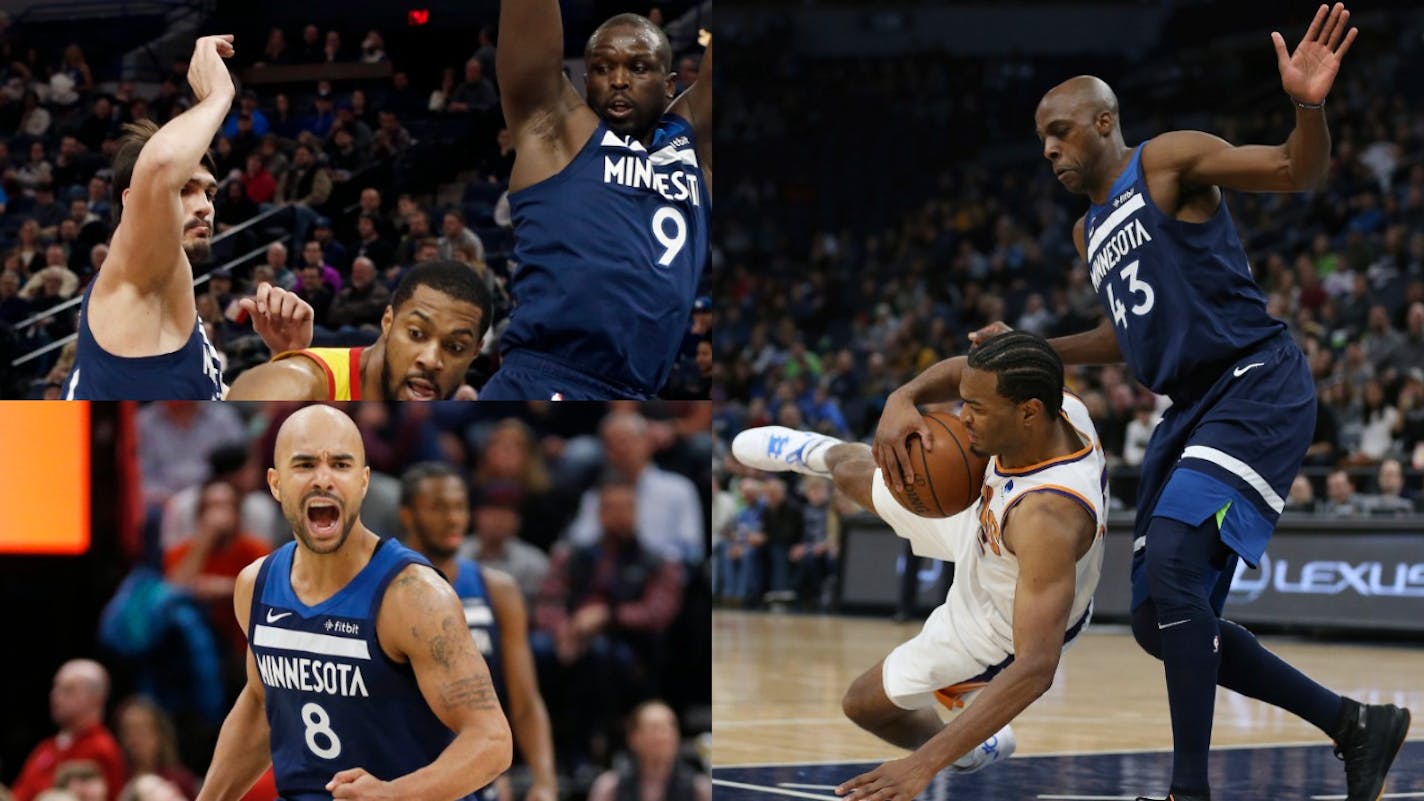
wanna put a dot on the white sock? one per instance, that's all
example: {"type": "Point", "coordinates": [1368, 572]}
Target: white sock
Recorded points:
{"type": "Point", "coordinates": [815, 454]}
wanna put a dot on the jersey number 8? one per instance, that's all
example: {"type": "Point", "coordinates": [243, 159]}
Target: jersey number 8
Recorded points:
{"type": "Point", "coordinates": [319, 725]}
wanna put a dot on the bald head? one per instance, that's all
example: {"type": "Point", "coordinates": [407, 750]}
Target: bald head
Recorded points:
{"type": "Point", "coordinates": [318, 428]}
{"type": "Point", "coordinates": [1086, 92]}
{"type": "Point", "coordinates": [81, 687]}
{"type": "Point", "coordinates": [642, 27]}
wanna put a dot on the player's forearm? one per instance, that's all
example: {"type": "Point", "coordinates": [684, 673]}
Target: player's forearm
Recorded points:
{"type": "Point", "coordinates": [243, 752]}
{"type": "Point", "coordinates": [938, 384]}
{"type": "Point", "coordinates": [530, 720]}
{"type": "Point", "coordinates": [178, 147]}
{"type": "Point", "coordinates": [1308, 148]}
{"type": "Point", "coordinates": [475, 758]}
{"type": "Point", "coordinates": [1098, 346]}
{"type": "Point", "coordinates": [1007, 695]}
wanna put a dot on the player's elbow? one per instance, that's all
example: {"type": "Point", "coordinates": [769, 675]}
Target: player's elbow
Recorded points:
{"type": "Point", "coordinates": [1038, 673]}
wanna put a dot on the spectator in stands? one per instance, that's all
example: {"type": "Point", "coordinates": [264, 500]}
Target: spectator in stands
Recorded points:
{"type": "Point", "coordinates": [308, 185]}
{"type": "Point", "coordinates": [286, 123]}
{"type": "Point", "coordinates": [736, 576]}
{"type": "Point", "coordinates": [81, 687]}
{"type": "Point", "coordinates": [346, 119]}
{"type": "Point", "coordinates": [77, 68]}
{"type": "Point", "coordinates": [13, 308]}
{"type": "Point", "coordinates": [238, 464]}
{"type": "Point", "coordinates": [234, 206]}
{"type": "Point", "coordinates": [35, 118]}
{"type": "Point", "coordinates": [332, 251]}
{"type": "Point", "coordinates": [322, 116]}
{"type": "Point", "coordinates": [332, 51]}
{"type": "Point", "coordinates": [369, 242]}
{"type": "Point", "coordinates": [686, 74]}
{"type": "Point", "coordinates": [1409, 352]}
{"type": "Point", "coordinates": [455, 233]}
{"type": "Point", "coordinates": [391, 138]}
{"type": "Point", "coordinates": [497, 543]}
{"type": "Point", "coordinates": [656, 772]}
{"type": "Point", "coordinates": [83, 778]}
{"type": "Point", "coordinates": [373, 47]}
{"type": "Point", "coordinates": [1341, 499]}
{"type": "Point", "coordinates": [344, 158]}
{"type": "Point", "coordinates": [38, 170]}
{"type": "Point", "coordinates": [669, 512]}
{"type": "Point", "coordinates": [175, 439]}
{"type": "Point", "coordinates": [362, 301]}
{"type": "Point", "coordinates": [315, 290]}
{"type": "Point", "coordinates": [511, 454]}
{"type": "Point", "coordinates": [257, 182]}
{"type": "Point", "coordinates": [361, 109]}
{"type": "Point", "coordinates": [475, 94]}
{"type": "Point", "coordinates": [282, 275]}
{"type": "Point", "coordinates": [485, 51]}
{"type": "Point", "coordinates": [247, 105]}
{"type": "Point", "coordinates": [419, 231]}
{"type": "Point", "coordinates": [150, 743]}
{"type": "Point", "coordinates": [783, 521]}
{"type": "Point", "coordinates": [206, 563]}
{"type": "Point", "coordinates": [46, 212]}
{"type": "Point", "coordinates": [150, 787]}
{"type": "Point", "coordinates": [275, 52]}
{"type": "Point", "coordinates": [814, 557]}
{"type": "Point", "coordinates": [73, 166]}
{"type": "Point", "coordinates": [402, 98]}
{"type": "Point", "coordinates": [601, 615]}
{"type": "Point", "coordinates": [1380, 420]}
{"type": "Point", "coordinates": [98, 125]}
{"type": "Point", "coordinates": [1302, 496]}
{"type": "Point", "coordinates": [1393, 498]}
{"type": "Point", "coordinates": [310, 50]}
{"type": "Point", "coordinates": [313, 255]}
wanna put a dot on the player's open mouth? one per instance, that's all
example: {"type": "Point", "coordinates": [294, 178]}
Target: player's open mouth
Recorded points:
{"type": "Point", "coordinates": [323, 517]}
{"type": "Point", "coordinates": [620, 108]}
{"type": "Point", "coordinates": [420, 389]}
{"type": "Point", "coordinates": [1060, 173]}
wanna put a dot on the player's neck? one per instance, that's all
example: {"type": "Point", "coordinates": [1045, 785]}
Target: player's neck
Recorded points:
{"type": "Point", "coordinates": [316, 577]}
{"type": "Point", "coordinates": [371, 360]}
{"type": "Point", "coordinates": [1060, 441]}
{"type": "Point", "coordinates": [1117, 161]}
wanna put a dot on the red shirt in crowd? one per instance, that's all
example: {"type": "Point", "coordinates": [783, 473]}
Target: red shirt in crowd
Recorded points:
{"type": "Point", "coordinates": [93, 743]}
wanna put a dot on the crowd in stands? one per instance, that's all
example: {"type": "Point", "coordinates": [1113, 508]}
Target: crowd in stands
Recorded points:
{"type": "Point", "coordinates": [857, 260]}
{"type": "Point", "coordinates": [355, 167]}
{"type": "Point", "coordinates": [556, 491]}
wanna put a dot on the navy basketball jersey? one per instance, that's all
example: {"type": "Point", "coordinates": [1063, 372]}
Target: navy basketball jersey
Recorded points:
{"type": "Point", "coordinates": [479, 616]}
{"type": "Point", "coordinates": [1180, 295]}
{"type": "Point", "coordinates": [192, 372]}
{"type": "Point", "coordinates": [334, 699]}
{"type": "Point", "coordinates": [610, 251]}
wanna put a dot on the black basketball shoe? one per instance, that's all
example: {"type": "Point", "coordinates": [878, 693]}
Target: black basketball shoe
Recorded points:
{"type": "Point", "coordinates": [1367, 739]}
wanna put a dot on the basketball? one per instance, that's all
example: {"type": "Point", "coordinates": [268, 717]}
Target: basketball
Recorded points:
{"type": "Point", "coordinates": [948, 478]}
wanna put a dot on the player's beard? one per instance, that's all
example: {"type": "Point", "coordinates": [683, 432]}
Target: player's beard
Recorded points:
{"type": "Point", "coordinates": [199, 250]}
{"type": "Point", "coordinates": [431, 547]}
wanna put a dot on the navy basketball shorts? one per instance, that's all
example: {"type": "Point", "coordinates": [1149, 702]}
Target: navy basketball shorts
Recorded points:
{"type": "Point", "coordinates": [527, 376]}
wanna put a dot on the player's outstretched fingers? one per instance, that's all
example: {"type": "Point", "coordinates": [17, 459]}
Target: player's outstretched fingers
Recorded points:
{"type": "Point", "coordinates": [859, 786]}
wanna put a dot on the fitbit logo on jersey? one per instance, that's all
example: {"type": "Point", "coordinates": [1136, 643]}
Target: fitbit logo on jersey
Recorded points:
{"type": "Point", "coordinates": [1330, 577]}
{"type": "Point", "coordinates": [342, 626]}
{"type": "Point", "coordinates": [638, 173]}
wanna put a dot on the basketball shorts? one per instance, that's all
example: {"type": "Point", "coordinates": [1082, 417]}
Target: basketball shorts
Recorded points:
{"type": "Point", "coordinates": [1230, 450]}
{"type": "Point", "coordinates": [523, 375]}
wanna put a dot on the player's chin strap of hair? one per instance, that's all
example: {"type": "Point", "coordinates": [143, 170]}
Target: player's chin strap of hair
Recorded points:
{"type": "Point", "coordinates": [1308, 106]}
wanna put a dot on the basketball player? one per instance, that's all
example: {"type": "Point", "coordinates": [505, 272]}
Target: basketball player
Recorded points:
{"type": "Point", "coordinates": [1027, 558]}
{"type": "Point", "coordinates": [358, 652]}
{"type": "Point", "coordinates": [430, 333]}
{"type": "Point", "coordinates": [611, 201]}
{"type": "Point", "coordinates": [139, 333]}
{"type": "Point", "coordinates": [1185, 314]}
{"type": "Point", "coordinates": [435, 513]}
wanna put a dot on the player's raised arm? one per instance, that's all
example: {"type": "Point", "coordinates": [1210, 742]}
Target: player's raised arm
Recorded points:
{"type": "Point", "coordinates": [1301, 162]}
{"type": "Point", "coordinates": [530, 62]}
{"type": "Point", "coordinates": [243, 750]}
{"type": "Point", "coordinates": [422, 619]}
{"type": "Point", "coordinates": [147, 247]}
{"type": "Point", "coordinates": [695, 106]}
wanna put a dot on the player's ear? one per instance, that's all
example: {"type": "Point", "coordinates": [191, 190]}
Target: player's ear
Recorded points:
{"type": "Point", "coordinates": [365, 480]}
{"type": "Point", "coordinates": [1030, 410]}
{"type": "Point", "coordinates": [387, 318]}
{"type": "Point", "coordinates": [272, 482]}
{"type": "Point", "coordinates": [670, 88]}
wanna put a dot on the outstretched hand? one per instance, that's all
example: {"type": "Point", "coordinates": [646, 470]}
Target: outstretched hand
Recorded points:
{"type": "Point", "coordinates": [1309, 72]}
{"type": "Point", "coordinates": [283, 320]}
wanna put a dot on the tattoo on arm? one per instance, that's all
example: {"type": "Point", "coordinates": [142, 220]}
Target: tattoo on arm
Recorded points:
{"type": "Point", "coordinates": [475, 692]}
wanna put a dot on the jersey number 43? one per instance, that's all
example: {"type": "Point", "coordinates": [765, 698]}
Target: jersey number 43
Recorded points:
{"type": "Point", "coordinates": [1139, 291]}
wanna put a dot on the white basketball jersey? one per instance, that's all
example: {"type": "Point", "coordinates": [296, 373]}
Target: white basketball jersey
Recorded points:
{"type": "Point", "coordinates": [986, 572]}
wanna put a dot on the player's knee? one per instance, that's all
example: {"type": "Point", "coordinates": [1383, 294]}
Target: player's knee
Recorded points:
{"type": "Point", "coordinates": [853, 477]}
{"type": "Point", "coordinates": [859, 702]}
{"type": "Point", "coordinates": [1144, 629]}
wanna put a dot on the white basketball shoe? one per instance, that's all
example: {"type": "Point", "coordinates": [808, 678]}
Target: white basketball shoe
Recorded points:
{"type": "Point", "coordinates": [777, 448]}
{"type": "Point", "coordinates": [999, 747]}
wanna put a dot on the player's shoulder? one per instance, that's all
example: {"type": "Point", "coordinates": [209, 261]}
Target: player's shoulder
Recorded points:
{"type": "Point", "coordinates": [418, 588]}
{"type": "Point", "coordinates": [295, 375]}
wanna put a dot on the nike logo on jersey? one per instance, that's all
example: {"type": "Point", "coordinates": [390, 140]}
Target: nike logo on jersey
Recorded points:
{"type": "Point", "coordinates": [271, 618]}
{"type": "Point", "coordinates": [1240, 371]}
{"type": "Point", "coordinates": [1161, 626]}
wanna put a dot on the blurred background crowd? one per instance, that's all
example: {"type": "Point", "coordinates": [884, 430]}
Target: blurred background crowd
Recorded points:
{"type": "Point", "coordinates": [363, 141]}
{"type": "Point", "coordinates": [151, 652]}
{"type": "Point", "coordinates": [889, 199]}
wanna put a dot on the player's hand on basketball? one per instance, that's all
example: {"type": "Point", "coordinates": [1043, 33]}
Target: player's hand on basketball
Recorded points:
{"type": "Point", "coordinates": [356, 783]}
{"type": "Point", "coordinates": [976, 338]}
{"type": "Point", "coordinates": [283, 320]}
{"type": "Point", "coordinates": [1308, 73]}
{"type": "Point", "coordinates": [207, 73]}
{"type": "Point", "coordinates": [896, 780]}
{"type": "Point", "coordinates": [899, 421]}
